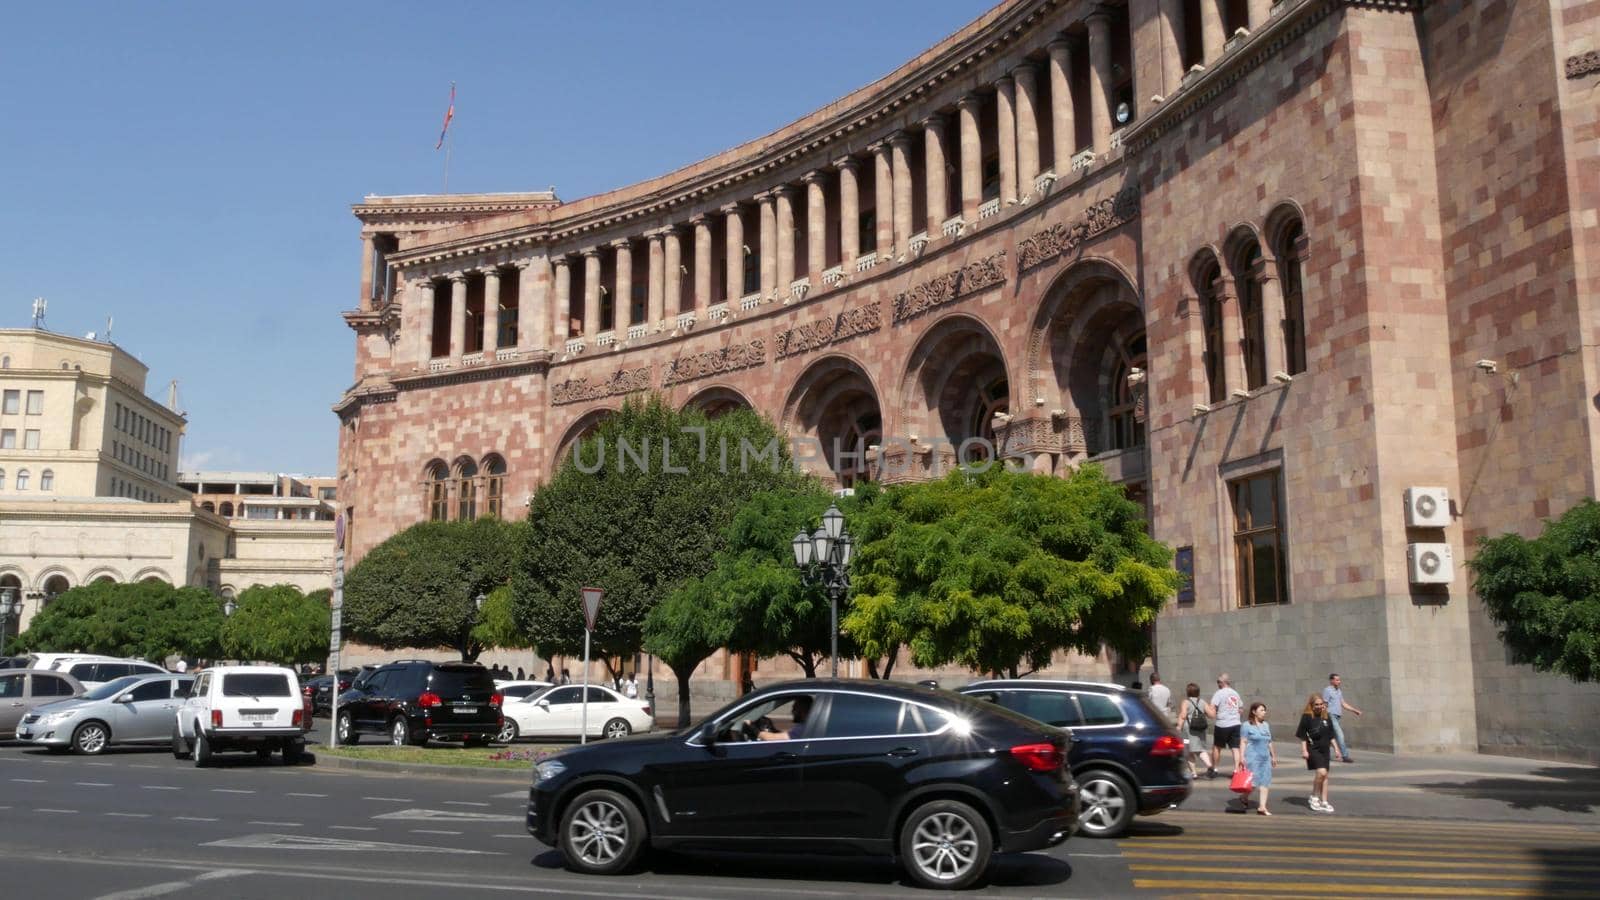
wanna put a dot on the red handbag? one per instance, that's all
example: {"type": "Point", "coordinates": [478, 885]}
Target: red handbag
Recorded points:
{"type": "Point", "coordinates": [1243, 782]}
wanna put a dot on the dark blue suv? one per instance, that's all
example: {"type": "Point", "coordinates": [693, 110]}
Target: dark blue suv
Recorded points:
{"type": "Point", "coordinates": [1125, 756]}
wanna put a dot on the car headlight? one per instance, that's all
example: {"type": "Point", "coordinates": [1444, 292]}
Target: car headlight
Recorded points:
{"type": "Point", "coordinates": [53, 718]}
{"type": "Point", "coordinates": [548, 769]}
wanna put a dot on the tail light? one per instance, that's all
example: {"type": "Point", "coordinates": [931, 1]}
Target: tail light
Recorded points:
{"type": "Point", "coordinates": [306, 690]}
{"type": "Point", "coordinates": [299, 716]}
{"type": "Point", "coordinates": [344, 684]}
{"type": "Point", "coordinates": [1039, 757]}
{"type": "Point", "coordinates": [495, 699]}
{"type": "Point", "coordinates": [429, 700]}
{"type": "Point", "coordinates": [1167, 745]}
{"type": "Point", "coordinates": [647, 709]}
{"type": "Point", "coordinates": [216, 718]}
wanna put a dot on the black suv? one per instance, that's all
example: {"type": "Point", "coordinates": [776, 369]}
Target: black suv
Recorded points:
{"type": "Point", "coordinates": [1126, 757]}
{"type": "Point", "coordinates": [932, 777]}
{"type": "Point", "coordinates": [413, 701]}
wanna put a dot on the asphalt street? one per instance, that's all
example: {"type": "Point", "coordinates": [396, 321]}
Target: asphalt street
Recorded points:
{"type": "Point", "coordinates": [139, 824]}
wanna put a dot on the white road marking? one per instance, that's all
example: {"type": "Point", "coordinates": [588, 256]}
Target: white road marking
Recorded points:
{"type": "Point", "coordinates": [307, 842]}
{"type": "Point", "coordinates": [519, 795]}
{"type": "Point", "coordinates": [193, 819]}
{"type": "Point", "coordinates": [390, 799]}
{"type": "Point", "coordinates": [520, 836]}
{"type": "Point", "coordinates": [431, 831]}
{"type": "Point", "coordinates": [296, 794]}
{"type": "Point", "coordinates": [463, 803]}
{"type": "Point", "coordinates": [276, 824]}
{"type": "Point", "coordinates": [30, 780]}
{"type": "Point", "coordinates": [351, 828]}
{"type": "Point", "coordinates": [42, 809]}
{"type": "Point", "coordinates": [142, 766]}
{"type": "Point", "coordinates": [107, 765]}
{"type": "Point", "coordinates": [171, 887]}
{"type": "Point", "coordinates": [130, 815]}
{"type": "Point", "coordinates": [230, 791]}
{"type": "Point", "coordinates": [91, 784]}
{"type": "Point", "coordinates": [448, 815]}
{"type": "Point", "coordinates": [160, 787]}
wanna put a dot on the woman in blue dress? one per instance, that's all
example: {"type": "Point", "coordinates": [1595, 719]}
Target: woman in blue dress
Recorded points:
{"type": "Point", "coordinates": [1259, 755]}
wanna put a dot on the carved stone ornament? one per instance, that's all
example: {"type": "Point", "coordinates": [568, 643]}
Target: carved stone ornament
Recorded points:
{"type": "Point", "coordinates": [821, 333]}
{"type": "Point", "coordinates": [1097, 220]}
{"type": "Point", "coordinates": [972, 277]}
{"type": "Point", "coordinates": [1583, 64]}
{"type": "Point", "coordinates": [1042, 434]}
{"type": "Point", "coordinates": [578, 390]}
{"type": "Point", "coordinates": [715, 362]}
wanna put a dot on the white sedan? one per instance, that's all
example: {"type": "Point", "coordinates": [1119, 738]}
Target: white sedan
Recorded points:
{"type": "Point", "coordinates": [520, 690]}
{"type": "Point", "coordinates": [558, 712]}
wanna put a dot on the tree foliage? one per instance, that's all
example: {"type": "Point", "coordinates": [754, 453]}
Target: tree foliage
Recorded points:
{"type": "Point", "coordinates": [497, 623]}
{"type": "Point", "coordinates": [1544, 593]}
{"type": "Point", "coordinates": [419, 587]}
{"type": "Point", "coordinates": [997, 571]}
{"type": "Point", "coordinates": [638, 508]}
{"type": "Point", "coordinates": [684, 630]}
{"type": "Point", "coordinates": [278, 624]}
{"type": "Point", "coordinates": [149, 620]}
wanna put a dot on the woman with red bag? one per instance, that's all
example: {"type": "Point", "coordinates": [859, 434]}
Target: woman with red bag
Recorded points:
{"type": "Point", "coordinates": [1259, 755]}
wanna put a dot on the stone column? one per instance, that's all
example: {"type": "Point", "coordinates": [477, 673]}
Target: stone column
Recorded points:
{"type": "Point", "coordinates": [591, 292]}
{"type": "Point", "coordinates": [1260, 12]}
{"type": "Point", "coordinates": [1273, 349]}
{"type": "Point", "coordinates": [971, 159]}
{"type": "Point", "coordinates": [622, 262]}
{"type": "Point", "coordinates": [816, 227]}
{"type": "Point", "coordinates": [1171, 35]}
{"type": "Point", "coordinates": [458, 316]}
{"type": "Point", "coordinates": [369, 287]}
{"type": "Point", "coordinates": [849, 212]}
{"type": "Point", "coordinates": [900, 153]}
{"type": "Point", "coordinates": [702, 263]}
{"type": "Point", "coordinates": [733, 227]}
{"type": "Point", "coordinates": [491, 312]}
{"type": "Point", "coordinates": [1027, 130]}
{"type": "Point", "coordinates": [769, 246]}
{"type": "Point", "coordinates": [785, 201]}
{"type": "Point", "coordinates": [1063, 124]}
{"type": "Point", "coordinates": [533, 301]}
{"type": "Point", "coordinates": [934, 175]}
{"type": "Point", "coordinates": [656, 290]}
{"type": "Point", "coordinates": [422, 303]}
{"type": "Point", "coordinates": [672, 266]}
{"type": "Point", "coordinates": [1100, 81]}
{"type": "Point", "coordinates": [562, 314]}
{"type": "Point", "coordinates": [883, 190]}
{"type": "Point", "coordinates": [1005, 94]}
{"type": "Point", "coordinates": [1211, 36]}
{"type": "Point", "coordinates": [1233, 376]}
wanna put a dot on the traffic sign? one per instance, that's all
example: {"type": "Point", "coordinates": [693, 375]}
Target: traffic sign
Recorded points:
{"type": "Point", "coordinates": [338, 532]}
{"type": "Point", "coordinates": [591, 605]}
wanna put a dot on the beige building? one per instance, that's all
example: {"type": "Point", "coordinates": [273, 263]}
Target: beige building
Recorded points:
{"type": "Point", "coordinates": [263, 495]}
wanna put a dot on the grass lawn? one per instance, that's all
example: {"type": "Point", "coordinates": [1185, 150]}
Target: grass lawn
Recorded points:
{"type": "Point", "coordinates": [481, 757]}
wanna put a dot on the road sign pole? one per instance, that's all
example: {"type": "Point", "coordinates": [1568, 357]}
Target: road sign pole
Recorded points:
{"type": "Point", "coordinates": [583, 731]}
{"type": "Point", "coordinates": [336, 623]}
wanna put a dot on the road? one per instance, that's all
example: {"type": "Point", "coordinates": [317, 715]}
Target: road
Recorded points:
{"type": "Point", "coordinates": [139, 824]}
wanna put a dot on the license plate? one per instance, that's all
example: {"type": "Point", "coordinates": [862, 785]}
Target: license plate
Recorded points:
{"type": "Point", "coordinates": [23, 734]}
{"type": "Point", "coordinates": [463, 710]}
{"type": "Point", "coordinates": [258, 717]}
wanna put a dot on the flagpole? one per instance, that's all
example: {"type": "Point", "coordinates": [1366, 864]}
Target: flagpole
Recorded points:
{"type": "Point", "coordinates": [446, 162]}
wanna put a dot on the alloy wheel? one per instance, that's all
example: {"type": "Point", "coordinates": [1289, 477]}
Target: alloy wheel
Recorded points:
{"type": "Point", "coordinates": [401, 735]}
{"type": "Point", "coordinates": [1102, 804]}
{"type": "Point", "coordinates": [91, 739]}
{"type": "Point", "coordinates": [618, 728]}
{"type": "Point", "coordinates": [508, 732]}
{"type": "Point", "coordinates": [945, 846]}
{"type": "Point", "coordinates": [598, 832]}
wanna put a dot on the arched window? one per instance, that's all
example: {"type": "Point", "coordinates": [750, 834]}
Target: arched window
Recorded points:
{"type": "Point", "coordinates": [227, 509]}
{"type": "Point", "coordinates": [864, 431]}
{"type": "Point", "coordinates": [494, 469]}
{"type": "Point", "coordinates": [1254, 339]}
{"type": "Point", "coordinates": [1291, 247]}
{"type": "Point", "coordinates": [1126, 406]}
{"type": "Point", "coordinates": [22, 479]}
{"type": "Point", "coordinates": [1211, 319]}
{"type": "Point", "coordinates": [208, 506]}
{"type": "Point", "coordinates": [466, 490]}
{"type": "Point", "coordinates": [54, 586]}
{"type": "Point", "coordinates": [5, 362]}
{"type": "Point", "coordinates": [993, 398]}
{"type": "Point", "coordinates": [47, 480]}
{"type": "Point", "coordinates": [2, 479]}
{"type": "Point", "coordinates": [438, 492]}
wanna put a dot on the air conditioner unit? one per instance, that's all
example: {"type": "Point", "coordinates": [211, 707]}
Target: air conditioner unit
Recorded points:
{"type": "Point", "coordinates": [844, 492]}
{"type": "Point", "coordinates": [1427, 507]}
{"type": "Point", "coordinates": [1430, 563]}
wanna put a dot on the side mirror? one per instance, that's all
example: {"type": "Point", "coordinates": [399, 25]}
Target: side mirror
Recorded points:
{"type": "Point", "coordinates": [707, 735]}
{"type": "Point", "coordinates": [124, 698]}
{"type": "Point", "coordinates": [544, 704]}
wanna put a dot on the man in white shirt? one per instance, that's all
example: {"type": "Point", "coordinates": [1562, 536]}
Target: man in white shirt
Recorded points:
{"type": "Point", "coordinates": [630, 688]}
{"type": "Point", "coordinates": [183, 665]}
{"type": "Point", "coordinates": [1160, 695]}
{"type": "Point", "coordinates": [1225, 707]}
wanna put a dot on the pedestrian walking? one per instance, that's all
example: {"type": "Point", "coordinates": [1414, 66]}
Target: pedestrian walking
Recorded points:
{"type": "Point", "coordinates": [1224, 708]}
{"type": "Point", "coordinates": [549, 674]}
{"type": "Point", "coordinates": [1160, 695]}
{"type": "Point", "coordinates": [1192, 718]}
{"type": "Point", "coordinates": [630, 688]}
{"type": "Point", "coordinates": [1315, 733]}
{"type": "Point", "coordinates": [1333, 695]}
{"type": "Point", "coordinates": [182, 666]}
{"type": "Point", "coordinates": [566, 675]}
{"type": "Point", "coordinates": [1259, 755]}
{"type": "Point", "coordinates": [520, 676]}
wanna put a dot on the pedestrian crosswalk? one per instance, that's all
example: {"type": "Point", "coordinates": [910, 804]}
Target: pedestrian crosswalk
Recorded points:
{"type": "Point", "coordinates": [1350, 857]}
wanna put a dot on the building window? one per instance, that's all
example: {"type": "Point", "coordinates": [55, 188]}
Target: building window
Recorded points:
{"type": "Point", "coordinates": [11, 403]}
{"type": "Point", "coordinates": [466, 490]}
{"type": "Point", "coordinates": [438, 493]}
{"type": "Point", "coordinates": [5, 362]}
{"type": "Point", "coordinates": [1258, 539]}
{"type": "Point", "coordinates": [1211, 320]}
{"type": "Point", "coordinates": [8, 439]}
{"type": "Point", "coordinates": [36, 403]}
{"type": "Point", "coordinates": [22, 479]}
{"type": "Point", "coordinates": [30, 439]}
{"type": "Point", "coordinates": [1254, 344]}
{"type": "Point", "coordinates": [494, 486]}
{"type": "Point", "coordinates": [1126, 409]}
{"type": "Point", "coordinates": [2, 479]}
{"type": "Point", "coordinates": [47, 480]}
{"type": "Point", "coordinates": [993, 399]}
{"type": "Point", "coordinates": [1294, 311]}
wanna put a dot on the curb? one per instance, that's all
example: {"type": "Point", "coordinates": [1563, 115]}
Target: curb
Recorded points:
{"type": "Point", "coordinates": [387, 767]}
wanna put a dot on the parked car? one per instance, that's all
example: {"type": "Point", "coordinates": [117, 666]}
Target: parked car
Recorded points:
{"type": "Point", "coordinates": [513, 691]}
{"type": "Point", "coordinates": [414, 701]}
{"type": "Point", "coordinates": [320, 690]}
{"type": "Point", "coordinates": [133, 709]}
{"type": "Point", "coordinates": [13, 662]}
{"type": "Point", "coordinates": [939, 780]}
{"type": "Point", "coordinates": [230, 708]}
{"type": "Point", "coordinates": [53, 660]}
{"type": "Point", "coordinates": [558, 712]}
{"type": "Point", "coordinates": [1126, 756]}
{"type": "Point", "coordinates": [23, 689]}
{"type": "Point", "coordinates": [97, 670]}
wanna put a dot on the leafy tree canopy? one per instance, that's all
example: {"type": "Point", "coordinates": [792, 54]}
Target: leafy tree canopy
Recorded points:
{"type": "Point", "coordinates": [1544, 593]}
{"type": "Point", "coordinates": [278, 624]}
{"type": "Point", "coordinates": [150, 620]}
{"type": "Point", "coordinates": [497, 623]}
{"type": "Point", "coordinates": [997, 571]}
{"type": "Point", "coordinates": [419, 587]}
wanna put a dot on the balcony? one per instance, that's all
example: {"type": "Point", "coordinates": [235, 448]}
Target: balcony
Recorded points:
{"type": "Point", "coordinates": [866, 261]}
{"type": "Point", "coordinates": [472, 359]}
{"type": "Point", "coordinates": [833, 277]}
{"type": "Point", "coordinates": [438, 365]}
{"type": "Point", "coordinates": [507, 353]}
{"type": "Point", "coordinates": [718, 313]}
{"type": "Point", "coordinates": [953, 227]}
{"type": "Point", "coordinates": [1083, 160]}
{"type": "Point", "coordinates": [606, 338]}
{"type": "Point", "coordinates": [989, 208]}
{"type": "Point", "coordinates": [575, 346]}
{"type": "Point", "coordinates": [685, 322]}
{"type": "Point", "coordinates": [798, 289]}
{"type": "Point", "coordinates": [919, 243]}
{"type": "Point", "coordinates": [749, 302]}
{"type": "Point", "coordinates": [637, 332]}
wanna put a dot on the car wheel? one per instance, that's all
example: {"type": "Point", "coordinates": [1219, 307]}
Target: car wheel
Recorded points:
{"type": "Point", "coordinates": [945, 844]}
{"type": "Point", "coordinates": [618, 728]}
{"type": "Point", "coordinates": [180, 747]}
{"type": "Point", "coordinates": [508, 732]}
{"type": "Point", "coordinates": [202, 749]}
{"type": "Point", "coordinates": [400, 732]}
{"type": "Point", "coordinates": [602, 833]}
{"type": "Point", "coordinates": [345, 731]}
{"type": "Point", "coordinates": [263, 754]}
{"type": "Point", "coordinates": [293, 753]}
{"type": "Point", "coordinates": [91, 739]}
{"type": "Point", "coordinates": [1106, 804]}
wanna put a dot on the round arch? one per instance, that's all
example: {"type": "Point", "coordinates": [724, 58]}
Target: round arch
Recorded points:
{"type": "Point", "coordinates": [1094, 298]}
{"type": "Point", "coordinates": [581, 428]}
{"type": "Point", "coordinates": [835, 402]}
{"type": "Point", "coordinates": [103, 575]}
{"type": "Point", "coordinates": [718, 400]}
{"type": "Point", "coordinates": [50, 573]}
{"type": "Point", "coordinates": [955, 381]}
{"type": "Point", "coordinates": [151, 573]}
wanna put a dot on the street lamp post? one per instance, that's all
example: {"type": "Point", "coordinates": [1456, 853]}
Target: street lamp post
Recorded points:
{"type": "Point", "coordinates": [823, 558]}
{"type": "Point", "coordinates": [229, 608]}
{"type": "Point", "coordinates": [9, 604]}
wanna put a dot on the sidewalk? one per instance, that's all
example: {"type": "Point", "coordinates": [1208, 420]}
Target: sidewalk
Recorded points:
{"type": "Point", "coordinates": [1432, 786]}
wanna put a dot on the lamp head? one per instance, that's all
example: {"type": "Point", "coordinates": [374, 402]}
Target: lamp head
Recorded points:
{"type": "Point", "coordinates": [802, 549]}
{"type": "Point", "coordinates": [833, 522]}
{"type": "Point", "coordinates": [229, 608]}
{"type": "Point", "coordinates": [821, 544]}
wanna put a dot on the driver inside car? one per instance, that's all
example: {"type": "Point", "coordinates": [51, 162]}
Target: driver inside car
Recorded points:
{"type": "Point", "coordinates": [766, 731]}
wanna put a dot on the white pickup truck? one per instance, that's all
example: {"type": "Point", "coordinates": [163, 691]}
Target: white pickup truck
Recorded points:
{"type": "Point", "coordinates": [256, 708]}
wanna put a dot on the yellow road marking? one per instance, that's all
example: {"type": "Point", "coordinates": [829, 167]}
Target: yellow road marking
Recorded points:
{"type": "Point", "coordinates": [1335, 858]}
{"type": "Point", "coordinates": [1324, 888]}
{"type": "Point", "coordinates": [1576, 853]}
{"type": "Point", "coordinates": [1431, 876]}
{"type": "Point", "coordinates": [1394, 826]}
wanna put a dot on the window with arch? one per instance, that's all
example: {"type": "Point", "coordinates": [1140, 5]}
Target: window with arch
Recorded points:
{"type": "Point", "coordinates": [54, 586]}
{"type": "Point", "coordinates": [1125, 409]}
{"type": "Point", "coordinates": [226, 509]}
{"type": "Point", "coordinates": [5, 362]}
{"type": "Point", "coordinates": [2, 479]}
{"type": "Point", "coordinates": [1211, 321]}
{"type": "Point", "coordinates": [864, 431]}
{"type": "Point", "coordinates": [208, 506]}
{"type": "Point", "coordinates": [22, 479]}
{"type": "Point", "coordinates": [1253, 341]}
{"type": "Point", "coordinates": [47, 480]}
{"type": "Point", "coordinates": [1291, 246]}
{"type": "Point", "coordinates": [438, 493]}
{"type": "Point", "coordinates": [494, 486]}
{"type": "Point", "coordinates": [466, 490]}
{"type": "Point", "coordinates": [993, 398]}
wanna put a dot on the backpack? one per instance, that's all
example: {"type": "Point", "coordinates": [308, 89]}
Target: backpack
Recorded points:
{"type": "Point", "coordinates": [1197, 716]}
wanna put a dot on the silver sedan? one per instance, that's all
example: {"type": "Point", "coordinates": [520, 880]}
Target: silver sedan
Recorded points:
{"type": "Point", "coordinates": [134, 709]}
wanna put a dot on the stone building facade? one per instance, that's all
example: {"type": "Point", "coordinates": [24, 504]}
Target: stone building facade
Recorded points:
{"type": "Point", "coordinates": [1272, 264]}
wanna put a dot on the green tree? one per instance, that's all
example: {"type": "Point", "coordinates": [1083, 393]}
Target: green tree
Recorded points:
{"type": "Point", "coordinates": [278, 624]}
{"type": "Point", "coordinates": [997, 571]}
{"type": "Point", "coordinates": [497, 622]}
{"type": "Point", "coordinates": [150, 620]}
{"type": "Point", "coordinates": [1544, 593]}
{"type": "Point", "coordinates": [419, 588]}
{"type": "Point", "coordinates": [639, 508]}
{"type": "Point", "coordinates": [684, 630]}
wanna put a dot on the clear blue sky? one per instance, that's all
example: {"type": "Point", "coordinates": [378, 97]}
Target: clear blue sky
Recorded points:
{"type": "Point", "coordinates": [188, 167]}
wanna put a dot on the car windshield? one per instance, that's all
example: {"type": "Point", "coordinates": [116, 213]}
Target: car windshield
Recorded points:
{"type": "Point", "coordinates": [112, 688]}
{"type": "Point", "coordinates": [256, 684]}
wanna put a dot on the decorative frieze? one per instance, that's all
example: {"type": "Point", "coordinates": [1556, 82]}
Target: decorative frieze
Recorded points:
{"type": "Point", "coordinates": [821, 333]}
{"type": "Point", "coordinates": [731, 358]}
{"type": "Point", "coordinates": [1583, 64]}
{"type": "Point", "coordinates": [1097, 220]}
{"type": "Point", "coordinates": [974, 276]}
{"type": "Point", "coordinates": [578, 390]}
{"type": "Point", "coordinates": [1056, 433]}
